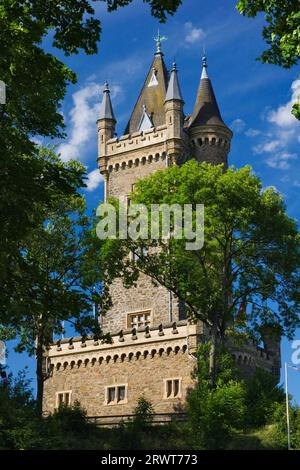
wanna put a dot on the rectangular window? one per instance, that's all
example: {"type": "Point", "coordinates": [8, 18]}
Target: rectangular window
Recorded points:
{"type": "Point", "coordinates": [116, 394]}
{"type": "Point", "coordinates": [121, 393]}
{"type": "Point", "coordinates": [176, 388]}
{"type": "Point", "coordinates": [172, 388]}
{"type": "Point", "coordinates": [169, 388]}
{"type": "Point", "coordinates": [111, 394]}
{"type": "Point", "coordinates": [141, 251]}
{"type": "Point", "coordinates": [139, 319]}
{"type": "Point", "coordinates": [63, 398]}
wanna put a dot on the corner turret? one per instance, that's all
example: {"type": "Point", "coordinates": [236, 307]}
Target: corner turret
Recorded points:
{"type": "Point", "coordinates": [174, 117]}
{"type": "Point", "coordinates": [106, 125]}
{"type": "Point", "coordinates": [209, 136]}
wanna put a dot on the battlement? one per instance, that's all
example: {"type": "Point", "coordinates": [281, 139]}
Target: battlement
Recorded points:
{"type": "Point", "coordinates": [126, 345]}
{"type": "Point", "coordinates": [133, 344]}
{"type": "Point", "coordinates": [136, 140]}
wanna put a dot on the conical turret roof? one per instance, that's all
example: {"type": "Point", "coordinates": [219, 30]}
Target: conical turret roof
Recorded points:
{"type": "Point", "coordinates": [106, 110]}
{"type": "Point", "coordinates": [174, 91]}
{"type": "Point", "coordinates": [206, 110]}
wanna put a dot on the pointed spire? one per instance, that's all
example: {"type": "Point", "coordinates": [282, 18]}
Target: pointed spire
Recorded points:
{"type": "Point", "coordinates": [106, 110]}
{"type": "Point", "coordinates": [152, 95]}
{"type": "Point", "coordinates": [174, 92]}
{"type": "Point", "coordinates": [206, 110]}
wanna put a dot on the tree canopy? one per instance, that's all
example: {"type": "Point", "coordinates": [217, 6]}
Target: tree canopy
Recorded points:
{"type": "Point", "coordinates": [250, 254]}
{"type": "Point", "coordinates": [282, 31]}
{"type": "Point", "coordinates": [46, 283]}
{"type": "Point", "coordinates": [36, 83]}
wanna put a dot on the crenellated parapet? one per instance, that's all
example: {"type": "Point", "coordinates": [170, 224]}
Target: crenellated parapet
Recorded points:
{"type": "Point", "coordinates": [127, 345]}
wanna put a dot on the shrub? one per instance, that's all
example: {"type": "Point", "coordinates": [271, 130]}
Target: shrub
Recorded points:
{"type": "Point", "coordinates": [262, 396]}
{"type": "Point", "coordinates": [214, 414]}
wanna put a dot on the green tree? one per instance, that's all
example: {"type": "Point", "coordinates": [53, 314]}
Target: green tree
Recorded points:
{"type": "Point", "coordinates": [53, 288]}
{"type": "Point", "coordinates": [215, 414]}
{"type": "Point", "coordinates": [279, 426]}
{"type": "Point", "coordinates": [262, 397]}
{"type": "Point", "coordinates": [30, 188]}
{"type": "Point", "coordinates": [36, 82]}
{"type": "Point", "coordinates": [18, 419]}
{"type": "Point", "coordinates": [282, 29]}
{"type": "Point", "coordinates": [250, 254]}
{"type": "Point", "coordinates": [143, 413]}
{"type": "Point", "coordinates": [281, 32]}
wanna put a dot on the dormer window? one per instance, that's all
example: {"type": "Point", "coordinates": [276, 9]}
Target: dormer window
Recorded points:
{"type": "Point", "coordinates": [145, 122]}
{"type": "Point", "coordinates": [153, 80]}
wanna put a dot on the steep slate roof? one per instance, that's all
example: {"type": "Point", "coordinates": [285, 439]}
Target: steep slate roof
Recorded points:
{"type": "Point", "coordinates": [153, 97]}
{"type": "Point", "coordinates": [206, 110]}
{"type": "Point", "coordinates": [106, 110]}
{"type": "Point", "coordinates": [174, 92]}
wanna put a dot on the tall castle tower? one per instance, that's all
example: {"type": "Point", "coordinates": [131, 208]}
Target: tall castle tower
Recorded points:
{"type": "Point", "coordinates": [153, 345]}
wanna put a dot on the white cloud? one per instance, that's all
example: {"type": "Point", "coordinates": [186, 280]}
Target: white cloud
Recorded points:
{"type": "Point", "coordinates": [94, 178]}
{"type": "Point", "coordinates": [252, 132]}
{"type": "Point", "coordinates": [282, 116]}
{"type": "Point", "coordinates": [83, 116]}
{"type": "Point", "coordinates": [267, 147]}
{"type": "Point", "coordinates": [278, 141]}
{"type": "Point", "coordinates": [238, 125]}
{"type": "Point", "coordinates": [192, 33]}
{"type": "Point", "coordinates": [281, 160]}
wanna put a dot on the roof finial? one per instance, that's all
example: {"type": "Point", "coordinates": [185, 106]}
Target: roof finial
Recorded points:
{"type": "Point", "coordinates": [159, 39]}
{"type": "Point", "coordinates": [204, 64]}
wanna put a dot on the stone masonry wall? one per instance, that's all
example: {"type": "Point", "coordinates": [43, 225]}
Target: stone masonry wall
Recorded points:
{"type": "Point", "coordinates": [144, 297]}
{"type": "Point", "coordinates": [120, 180]}
{"type": "Point", "coordinates": [143, 368]}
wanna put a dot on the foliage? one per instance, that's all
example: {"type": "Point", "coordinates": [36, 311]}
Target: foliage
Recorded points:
{"type": "Point", "coordinates": [296, 110]}
{"type": "Point", "coordinates": [50, 285]}
{"type": "Point", "coordinates": [69, 428]}
{"type": "Point", "coordinates": [143, 413]}
{"type": "Point", "coordinates": [237, 413]}
{"type": "Point", "coordinates": [215, 413]}
{"type": "Point", "coordinates": [36, 82]}
{"type": "Point", "coordinates": [250, 257]}
{"type": "Point", "coordinates": [131, 435]}
{"type": "Point", "coordinates": [282, 31]}
{"type": "Point", "coordinates": [262, 396]}
{"type": "Point", "coordinates": [18, 420]}
{"type": "Point", "coordinates": [278, 435]}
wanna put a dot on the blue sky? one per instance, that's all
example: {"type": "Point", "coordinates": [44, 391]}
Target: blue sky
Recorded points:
{"type": "Point", "coordinates": [254, 98]}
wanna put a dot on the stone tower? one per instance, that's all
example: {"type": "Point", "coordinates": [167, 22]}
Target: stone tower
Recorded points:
{"type": "Point", "coordinates": [153, 345]}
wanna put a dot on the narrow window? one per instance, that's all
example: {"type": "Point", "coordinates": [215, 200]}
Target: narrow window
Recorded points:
{"type": "Point", "coordinates": [121, 393]}
{"type": "Point", "coordinates": [176, 388]}
{"type": "Point", "coordinates": [169, 388]}
{"type": "Point", "coordinates": [111, 394]}
{"type": "Point", "coordinates": [60, 399]}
